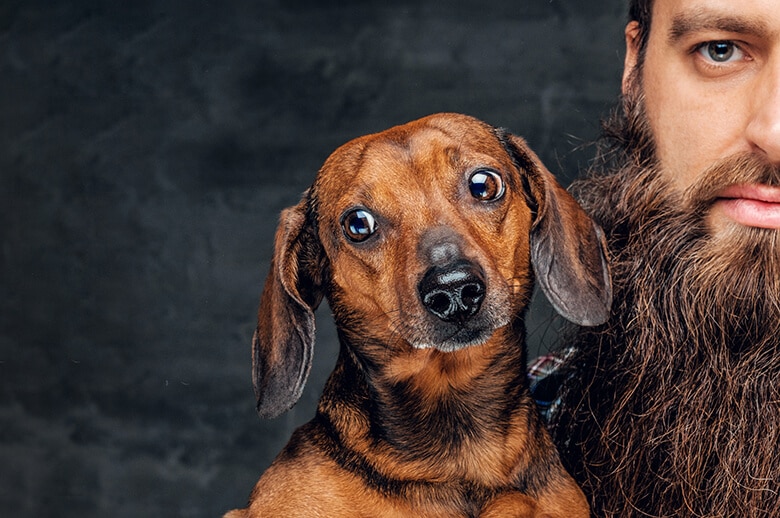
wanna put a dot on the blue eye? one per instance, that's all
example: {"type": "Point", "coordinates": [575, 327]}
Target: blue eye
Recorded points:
{"type": "Point", "coordinates": [486, 185]}
{"type": "Point", "coordinates": [720, 51]}
{"type": "Point", "coordinates": [358, 225]}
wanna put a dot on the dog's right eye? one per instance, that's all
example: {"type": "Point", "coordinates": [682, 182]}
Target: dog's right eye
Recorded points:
{"type": "Point", "coordinates": [486, 185]}
{"type": "Point", "coordinates": [358, 225]}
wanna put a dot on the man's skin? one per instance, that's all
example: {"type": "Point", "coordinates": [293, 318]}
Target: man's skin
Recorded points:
{"type": "Point", "coordinates": [711, 81]}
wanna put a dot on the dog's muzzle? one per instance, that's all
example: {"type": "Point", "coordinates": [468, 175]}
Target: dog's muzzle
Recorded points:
{"type": "Point", "coordinates": [453, 293]}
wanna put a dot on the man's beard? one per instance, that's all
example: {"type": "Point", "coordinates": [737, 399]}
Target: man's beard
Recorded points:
{"type": "Point", "coordinates": [672, 408]}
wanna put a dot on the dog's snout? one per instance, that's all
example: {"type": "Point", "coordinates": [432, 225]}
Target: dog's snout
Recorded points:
{"type": "Point", "coordinates": [440, 246]}
{"type": "Point", "coordinates": [443, 253]}
{"type": "Point", "coordinates": [453, 293]}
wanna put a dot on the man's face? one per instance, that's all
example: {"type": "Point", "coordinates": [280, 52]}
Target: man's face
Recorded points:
{"type": "Point", "coordinates": [711, 85]}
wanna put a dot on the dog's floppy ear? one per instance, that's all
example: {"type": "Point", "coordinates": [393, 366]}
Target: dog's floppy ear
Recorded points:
{"type": "Point", "coordinates": [568, 249]}
{"type": "Point", "coordinates": [283, 342]}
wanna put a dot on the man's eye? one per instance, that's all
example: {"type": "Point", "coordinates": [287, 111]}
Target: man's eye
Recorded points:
{"type": "Point", "coordinates": [721, 51]}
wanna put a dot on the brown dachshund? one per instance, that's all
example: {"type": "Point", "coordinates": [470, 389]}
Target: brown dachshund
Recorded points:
{"type": "Point", "coordinates": [425, 239]}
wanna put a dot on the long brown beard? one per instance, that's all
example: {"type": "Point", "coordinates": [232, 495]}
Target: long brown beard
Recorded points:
{"type": "Point", "coordinates": [673, 407]}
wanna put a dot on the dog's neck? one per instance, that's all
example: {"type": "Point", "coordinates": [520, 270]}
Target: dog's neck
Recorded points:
{"type": "Point", "coordinates": [466, 412]}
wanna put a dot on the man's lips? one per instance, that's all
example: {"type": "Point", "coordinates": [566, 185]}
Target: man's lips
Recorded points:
{"type": "Point", "coordinates": [751, 205]}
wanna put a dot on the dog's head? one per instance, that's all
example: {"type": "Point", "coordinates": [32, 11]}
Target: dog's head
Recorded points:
{"type": "Point", "coordinates": [423, 236]}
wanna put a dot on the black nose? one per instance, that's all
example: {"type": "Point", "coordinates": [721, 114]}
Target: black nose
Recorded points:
{"type": "Point", "coordinates": [453, 293]}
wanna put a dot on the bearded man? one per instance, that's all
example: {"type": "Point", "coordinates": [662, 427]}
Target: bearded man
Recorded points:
{"type": "Point", "coordinates": [673, 407]}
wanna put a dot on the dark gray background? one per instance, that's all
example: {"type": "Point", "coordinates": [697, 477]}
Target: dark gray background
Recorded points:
{"type": "Point", "coordinates": [146, 149]}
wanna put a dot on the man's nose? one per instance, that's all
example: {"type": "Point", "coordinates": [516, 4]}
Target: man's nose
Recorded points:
{"type": "Point", "coordinates": [763, 129]}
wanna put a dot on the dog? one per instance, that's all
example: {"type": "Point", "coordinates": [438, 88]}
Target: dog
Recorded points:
{"type": "Point", "coordinates": [426, 240]}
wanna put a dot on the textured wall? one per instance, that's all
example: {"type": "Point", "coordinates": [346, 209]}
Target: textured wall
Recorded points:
{"type": "Point", "coordinates": [146, 149]}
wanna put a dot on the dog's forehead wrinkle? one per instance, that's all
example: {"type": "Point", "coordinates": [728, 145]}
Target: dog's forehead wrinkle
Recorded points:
{"type": "Point", "coordinates": [434, 142]}
{"type": "Point", "coordinates": [399, 191]}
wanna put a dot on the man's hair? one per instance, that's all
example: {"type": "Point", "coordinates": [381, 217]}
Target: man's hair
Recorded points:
{"type": "Point", "coordinates": [640, 11]}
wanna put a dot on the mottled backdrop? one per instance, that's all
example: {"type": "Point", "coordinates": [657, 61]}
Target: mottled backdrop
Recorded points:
{"type": "Point", "coordinates": [146, 149]}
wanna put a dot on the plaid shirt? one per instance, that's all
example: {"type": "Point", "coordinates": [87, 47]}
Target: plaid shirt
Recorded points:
{"type": "Point", "coordinates": [545, 379]}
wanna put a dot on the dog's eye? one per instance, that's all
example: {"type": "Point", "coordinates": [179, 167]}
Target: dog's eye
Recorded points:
{"type": "Point", "coordinates": [486, 185]}
{"type": "Point", "coordinates": [358, 225]}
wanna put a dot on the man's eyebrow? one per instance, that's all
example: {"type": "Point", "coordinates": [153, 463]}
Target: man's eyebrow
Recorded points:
{"type": "Point", "coordinates": [687, 23]}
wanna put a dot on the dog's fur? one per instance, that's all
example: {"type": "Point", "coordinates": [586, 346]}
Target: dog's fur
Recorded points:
{"type": "Point", "coordinates": [423, 415]}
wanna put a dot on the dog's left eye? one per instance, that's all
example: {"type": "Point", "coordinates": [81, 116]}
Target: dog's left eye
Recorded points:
{"type": "Point", "coordinates": [358, 225]}
{"type": "Point", "coordinates": [486, 185]}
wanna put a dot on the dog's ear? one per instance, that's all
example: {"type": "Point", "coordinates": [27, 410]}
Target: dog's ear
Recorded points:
{"type": "Point", "coordinates": [568, 249]}
{"type": "Point", "coordinates": [283, 342]}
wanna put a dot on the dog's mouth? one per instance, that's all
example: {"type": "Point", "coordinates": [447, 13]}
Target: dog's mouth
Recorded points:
{"type": "Point", "coordinates": [463, 337]}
